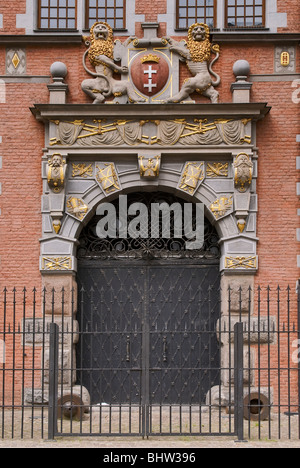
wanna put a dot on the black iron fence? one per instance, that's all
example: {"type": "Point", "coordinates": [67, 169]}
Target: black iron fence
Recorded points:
{"type": "Point", "coordinates": [233, 372]}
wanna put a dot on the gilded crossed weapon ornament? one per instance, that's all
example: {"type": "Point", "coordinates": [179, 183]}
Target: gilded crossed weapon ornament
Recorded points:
{"type": "Point", "coordinates": [193, 174]}
{"type": "Point", "coordinates": [248, 263]}
{"type": "Point", "coordinates": [57, 263]}
{"type": "Point", "coordinates": [107, 178]}
{"type": "Point", "coordinates": [217, 169]}
{"type": "Point", "coordinates": [77, 208]}
{"type": "Point", "coordinates": [220, 207]}
{"type": "Point", "coordinates": [82, 170]}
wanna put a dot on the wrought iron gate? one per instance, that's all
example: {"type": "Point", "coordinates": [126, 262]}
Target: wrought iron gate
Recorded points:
{"type": "Point", "coordinates": [148, 313]}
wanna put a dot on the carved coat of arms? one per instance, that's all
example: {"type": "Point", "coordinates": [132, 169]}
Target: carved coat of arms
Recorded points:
{"type": "Point", "coordinates": [150, 73]}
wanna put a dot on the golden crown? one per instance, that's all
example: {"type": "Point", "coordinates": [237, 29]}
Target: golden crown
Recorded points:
{"type": "Point", "coordinates": [150, 58]}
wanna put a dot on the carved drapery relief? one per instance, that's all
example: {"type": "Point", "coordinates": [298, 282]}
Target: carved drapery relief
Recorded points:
{"type": "Point", "coordinates": [167, 133]}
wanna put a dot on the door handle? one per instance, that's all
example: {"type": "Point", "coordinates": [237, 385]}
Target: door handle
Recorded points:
{"type": "Point", "coordinates": [165, 349]}
{"type": "Point", "coordinates": [128, 348]}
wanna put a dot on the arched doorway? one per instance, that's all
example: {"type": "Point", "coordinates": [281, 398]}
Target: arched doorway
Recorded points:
{"type": "Point", "coordinates": [148, 309]}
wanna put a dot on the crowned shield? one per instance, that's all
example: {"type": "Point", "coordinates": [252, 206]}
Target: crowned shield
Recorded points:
{"type": "Point", "coordinates": [150, 73]}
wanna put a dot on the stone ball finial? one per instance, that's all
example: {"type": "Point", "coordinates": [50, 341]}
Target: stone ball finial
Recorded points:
{"type": "Point", "coordinates": [58, 70]}
{"type": "Point", "coordinates": [241, 68]}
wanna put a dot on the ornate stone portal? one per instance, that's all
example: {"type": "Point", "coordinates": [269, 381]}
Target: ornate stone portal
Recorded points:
{"type": "Point", "coordinates": [201, 152]}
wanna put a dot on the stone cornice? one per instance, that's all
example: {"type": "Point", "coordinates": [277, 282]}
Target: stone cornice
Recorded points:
{"type": "Point", "coordinates": [248, 37]}
{"type": "Point", "coordinates": [46, 112]}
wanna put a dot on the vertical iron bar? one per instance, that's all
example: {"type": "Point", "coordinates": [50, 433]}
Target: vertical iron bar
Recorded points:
{"type": "Point", "coordinates": [229, 331]}
{"type": "Point", "coordinates": [249, 357]}
{"type": "Point", "coordinates": [72, 354]}
{"type": "Point", "coordinates": [53, 381]}
{"type": "Point", "coordinates": [289, 361]}
{"type": "Point", "coordinates": [269, 362]}
{"type": "Point", "coordinates": [259, 357]}
{"type": "Point", "coordinates": [23, 362]}
{"type": "Point", "coordinates": [33, 361]}
{"type": "Point", "coordinates": [279, 356]}
{"type": "Point", "coordinates": [239, 380]}
{"type": "Point", "coordinates": [62, 354]}
{"type": "Point", "coordinates": [3, 375]}
{"type": "Point", "coordinates": [13, 363]}
{"type": "Point", "coordinates": [43, 356]}
{"type": "Point", "coordinates": [146, 360]}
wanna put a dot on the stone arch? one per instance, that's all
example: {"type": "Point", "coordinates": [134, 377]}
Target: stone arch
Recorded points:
{"type": "Point", "coordinates": [71, 228]}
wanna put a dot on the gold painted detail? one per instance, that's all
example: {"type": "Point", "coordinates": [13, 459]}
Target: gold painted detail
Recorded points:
{"type": "Point", "coordinates": [220, 207]}
{"type": "Point", "coordinates": [107, 178]}
{"type": "Point", "coordinates": [82, 170]}
{"type": "Point", "coordinates": [168, 132]}
{"type": "Point", "coordinates": [77, 208]}
{"type": "Point", "coordinates": [247, 263]}
{"type": "Point", "coordinates": [56, 226]}
{"type": "Point", "coordinates": [150, 58]}
{"type": "Point", "coordinates": [149, 167]}
{"type": "Point", "coordinates": [16, 60]}
{"type": "Point", "coordinates": [285, 59]}
{"type": "Point", "coordinates": [243, 172]}
{"type": "Point", "coordinates": [193, 174]}
{"type": "Point", "coordinates": [56, 263]}
{"type": "Point", "coordinates": [56, 172]}
{"type": "Point", "coordinates": [217, 169]}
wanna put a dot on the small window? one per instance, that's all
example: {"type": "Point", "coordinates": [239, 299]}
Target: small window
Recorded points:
{"type": "Point", "coordinates": [195, 11]}
{"type": "Point", "coordinates": [57, 14]}
{"type": "Point", "coordinates": [112, 12]}
{"type": "Point", "coordinates": [245, 14]}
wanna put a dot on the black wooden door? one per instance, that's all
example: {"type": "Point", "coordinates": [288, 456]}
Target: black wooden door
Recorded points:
{"type": "Point", "coordinates": [148, 332]}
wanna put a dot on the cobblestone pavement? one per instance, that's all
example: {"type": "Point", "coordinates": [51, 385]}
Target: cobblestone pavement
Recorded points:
{"type": "Point", "coordinates": [161, 443]}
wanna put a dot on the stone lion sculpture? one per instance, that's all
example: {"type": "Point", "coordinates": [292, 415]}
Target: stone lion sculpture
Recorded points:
{"type": "Point", "coordinates": [197, 53]}
{"type": "Point", "coordinates": [101, 57]}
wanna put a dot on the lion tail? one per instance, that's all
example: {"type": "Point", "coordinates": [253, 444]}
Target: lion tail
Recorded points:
{"type": "Point", "coordinates": [216, 50]}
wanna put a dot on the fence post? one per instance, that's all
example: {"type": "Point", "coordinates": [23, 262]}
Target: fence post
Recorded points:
{"type": "Point", "coordinates": [53, 381]}
{"type": "Point", "coordinates": [239, 381]}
